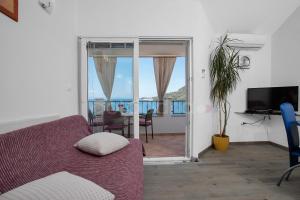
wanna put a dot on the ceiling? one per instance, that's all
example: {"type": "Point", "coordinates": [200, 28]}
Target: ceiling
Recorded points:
{"type": "Point", "coordinates": [248, 16]}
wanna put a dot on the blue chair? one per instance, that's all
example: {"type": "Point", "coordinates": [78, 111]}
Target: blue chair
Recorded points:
{"type": "Point", "coordinates": [291, 127]}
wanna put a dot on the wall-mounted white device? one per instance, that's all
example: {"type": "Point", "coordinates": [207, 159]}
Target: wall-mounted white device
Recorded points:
{"type": "Point", "coordinates": [247, 41]}
{"type": "Point", "coordinates": [47, 5]}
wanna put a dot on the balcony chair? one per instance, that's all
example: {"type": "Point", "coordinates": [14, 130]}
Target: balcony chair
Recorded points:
{"type": "Point", "coordinates": [95, 121]}
{"type": "Point", "coordinates": [113, 121]}
{"type": "Point", "coordinates": [146, 120]}
{"type": "Point", "coordinates": [290, 123]}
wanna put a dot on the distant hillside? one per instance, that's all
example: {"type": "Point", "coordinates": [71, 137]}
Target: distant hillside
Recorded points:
{"type": "Point", "coordinates": [178, 95]}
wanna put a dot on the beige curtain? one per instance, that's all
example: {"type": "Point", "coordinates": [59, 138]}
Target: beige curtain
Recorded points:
{"type": "Point", "coordinates": [163, 68]}
{"type": "Point", "coordinates": [105, 67]}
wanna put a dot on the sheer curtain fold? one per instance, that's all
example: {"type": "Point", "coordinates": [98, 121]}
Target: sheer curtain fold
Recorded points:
{"type": "Point", "coordinates": [105, 68]}
{"type": "Point", "coordinates": [163, 68]}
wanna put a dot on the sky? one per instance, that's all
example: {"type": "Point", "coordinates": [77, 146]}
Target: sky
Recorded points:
{"type": "Point", "coordinates": [122, 88]}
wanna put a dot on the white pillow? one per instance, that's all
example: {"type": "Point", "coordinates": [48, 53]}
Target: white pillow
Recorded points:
{"type": "Point", "coordinates": [59, 186]}
{"type": "Point", "coordinates": [101, 144]}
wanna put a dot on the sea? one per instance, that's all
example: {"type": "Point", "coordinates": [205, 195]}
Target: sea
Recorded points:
{"type": "Point", "coordinates": [98, 105]}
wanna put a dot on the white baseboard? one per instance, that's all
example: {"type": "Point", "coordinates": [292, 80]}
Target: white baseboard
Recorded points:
{"type": "Point", "coordinates": [22, 123]}
{"type": "Point", "coordinates": [165, 160]}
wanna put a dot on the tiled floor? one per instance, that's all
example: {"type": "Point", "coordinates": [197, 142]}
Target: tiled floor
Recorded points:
{"type": "Point", "coordinates": [164, 145]}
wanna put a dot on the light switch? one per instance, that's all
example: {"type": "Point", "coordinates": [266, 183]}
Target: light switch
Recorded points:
{"type": "Point", "coordinates": [203, 73]}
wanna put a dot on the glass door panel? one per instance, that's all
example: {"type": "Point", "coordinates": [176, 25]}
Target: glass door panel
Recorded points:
{"type": "Point", "coordinates": [110, 87]}
{"type": "Point", "coordinates": [163, 97]}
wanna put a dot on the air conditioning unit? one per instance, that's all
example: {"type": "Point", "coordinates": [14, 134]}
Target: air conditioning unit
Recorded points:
{"type": "Point", "coordinates": [247, 41]}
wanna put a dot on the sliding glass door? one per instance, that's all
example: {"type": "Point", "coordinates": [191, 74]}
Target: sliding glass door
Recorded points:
{"type": "Point", "coordinates": [110, 104]}
{"type": "Point", "coordinates": [164, 90]}
{"type": "Point", "coordinates": [113, 99]}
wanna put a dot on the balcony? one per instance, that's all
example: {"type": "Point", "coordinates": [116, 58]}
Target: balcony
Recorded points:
{"type": "Point", "coordinates": [169, 128]}
{"type": "Point", "coordinates": [171, 107]}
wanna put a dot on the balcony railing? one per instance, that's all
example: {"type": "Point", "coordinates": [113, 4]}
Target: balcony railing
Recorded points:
{"type": "Point", "coordinates": [177, 106]}
{"type": "Point", "coordinates": [144, 106]}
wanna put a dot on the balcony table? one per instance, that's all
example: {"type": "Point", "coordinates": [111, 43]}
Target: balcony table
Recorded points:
{"type": "Point", "coordinates": [128, 116]}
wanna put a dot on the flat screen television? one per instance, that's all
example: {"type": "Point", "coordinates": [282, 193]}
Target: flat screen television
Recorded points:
{"type": "Point", "coordinates": [269, 99]}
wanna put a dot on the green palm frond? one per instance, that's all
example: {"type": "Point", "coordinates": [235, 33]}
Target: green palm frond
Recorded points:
{"type": "Point", "coordinates": [224, 75]}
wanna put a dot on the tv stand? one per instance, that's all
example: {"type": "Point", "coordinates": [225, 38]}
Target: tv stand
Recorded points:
{"type": "Point", "coordinates": [265, 114]}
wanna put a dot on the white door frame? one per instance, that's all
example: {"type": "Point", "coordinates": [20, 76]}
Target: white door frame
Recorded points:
{"type": "Point", "coordinates": [189, 70]}
{"type": "Point", "coordinates": [83, 75]}
{"type": "Point", "coordinates": [83, 86]}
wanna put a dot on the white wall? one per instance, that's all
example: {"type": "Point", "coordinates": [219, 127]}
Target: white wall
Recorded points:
{"type": "Point", "coordinates": [274, 65]}
{"type": "Point", "coordinates": [259, 75]}
{"type": "Point", "coordinates": [38, 73]}
{"type": "Point", "coordinates": [39, 68]}
{"type": "Point", "coordinates": [285, 66]}
{"type": "Point", "coordinates": [248, 16]}
{"type": "Point", "coordinates": [167, 124]}
{"type": "Point", "coordinates": [158, 18]}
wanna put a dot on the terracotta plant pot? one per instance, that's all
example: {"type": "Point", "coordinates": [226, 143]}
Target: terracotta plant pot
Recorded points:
{"type": "Point", "coordinates": [221, 143]}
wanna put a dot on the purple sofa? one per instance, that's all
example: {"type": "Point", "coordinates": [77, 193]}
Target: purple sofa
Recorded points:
{"type": "Point", "coordinates": [38, 151]}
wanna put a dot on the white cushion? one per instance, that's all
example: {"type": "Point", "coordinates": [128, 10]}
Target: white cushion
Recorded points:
{"type": "Point", "coordinates": [59, 186]}
{"type": "Point", "coordinates": [101, 144]}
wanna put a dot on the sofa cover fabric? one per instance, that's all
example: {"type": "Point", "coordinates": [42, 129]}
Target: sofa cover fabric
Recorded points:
{"type": "Point", "coordinates": [38, 151]}
{"type": "Point", "coordinates": [59, 186]}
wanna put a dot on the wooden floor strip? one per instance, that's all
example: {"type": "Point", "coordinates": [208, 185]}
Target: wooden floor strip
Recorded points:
{"type": "Point", "coordinates": [244, 172]}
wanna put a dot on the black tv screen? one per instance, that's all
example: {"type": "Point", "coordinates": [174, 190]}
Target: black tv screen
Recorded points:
{"type": "Point", "coordinates": [269, 99]}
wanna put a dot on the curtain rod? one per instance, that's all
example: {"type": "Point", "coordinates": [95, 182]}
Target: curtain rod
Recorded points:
{"type": "Point", "coordinates": [140, 55]}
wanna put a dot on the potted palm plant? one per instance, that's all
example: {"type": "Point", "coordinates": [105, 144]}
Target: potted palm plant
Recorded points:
{"type": "Point", "coordinates": [224, 76]}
